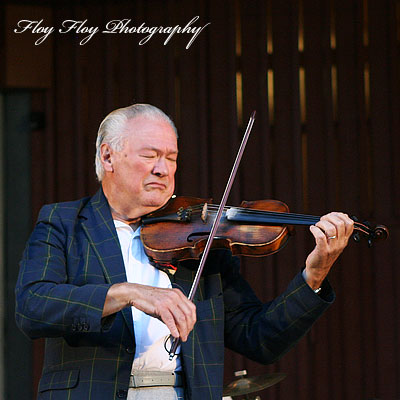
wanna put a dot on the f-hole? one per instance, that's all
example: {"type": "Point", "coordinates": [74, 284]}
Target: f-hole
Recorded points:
{"type": "Point", "coordinates": [192, 236]}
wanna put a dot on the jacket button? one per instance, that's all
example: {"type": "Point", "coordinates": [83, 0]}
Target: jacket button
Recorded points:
{"type": "Point", "coordinates": [129, 350]}
{"type": "Point", "coordinates": [121, 393]}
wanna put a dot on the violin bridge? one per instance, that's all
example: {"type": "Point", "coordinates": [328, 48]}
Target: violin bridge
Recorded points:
{"type": "Point", "coordinates": [204, 213]}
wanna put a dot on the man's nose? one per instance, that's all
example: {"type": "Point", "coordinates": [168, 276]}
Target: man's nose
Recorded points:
{"type": "Point", "coordinates": [160, 167]}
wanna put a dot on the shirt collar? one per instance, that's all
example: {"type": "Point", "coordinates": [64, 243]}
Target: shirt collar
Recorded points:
{"type": "Point", "coordinates": [119, 225]}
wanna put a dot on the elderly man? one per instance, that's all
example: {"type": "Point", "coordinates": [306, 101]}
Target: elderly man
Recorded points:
{"type": "Point", "coordinates": [107, 313]}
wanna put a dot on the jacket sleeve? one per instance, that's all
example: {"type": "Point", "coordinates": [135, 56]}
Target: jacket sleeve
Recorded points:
{"type": "Point", "coordinates": [47, 305]}
{"type": "Point", "coordinates": [265, 332]}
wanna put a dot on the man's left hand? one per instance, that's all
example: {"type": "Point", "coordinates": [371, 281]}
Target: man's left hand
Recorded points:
{"type": "Point", "coordinates": [331, 233]}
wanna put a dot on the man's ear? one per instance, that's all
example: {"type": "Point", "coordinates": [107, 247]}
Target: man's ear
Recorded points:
{"type": "Point", "coordinates": [106, 154]}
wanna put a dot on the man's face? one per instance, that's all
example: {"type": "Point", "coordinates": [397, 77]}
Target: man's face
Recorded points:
{"type": "Point", "coordinates": [144, 170]}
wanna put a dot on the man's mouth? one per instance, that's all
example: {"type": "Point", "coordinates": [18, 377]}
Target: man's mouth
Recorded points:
{"type": "Point", "coordinates": [156, 185]}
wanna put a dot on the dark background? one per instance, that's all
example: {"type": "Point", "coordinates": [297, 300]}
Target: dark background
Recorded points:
{"type": "Point", "coordinates": [324, 77]}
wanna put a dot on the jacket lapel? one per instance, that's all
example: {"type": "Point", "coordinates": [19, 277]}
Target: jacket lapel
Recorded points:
{"type": "Point", "coordinates": [183, 280]}
{"type": "Point", "coordinates": [99, 227]}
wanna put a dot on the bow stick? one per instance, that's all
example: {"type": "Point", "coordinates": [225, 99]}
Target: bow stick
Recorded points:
{"type": "Point", "coordinates": [216, 222]}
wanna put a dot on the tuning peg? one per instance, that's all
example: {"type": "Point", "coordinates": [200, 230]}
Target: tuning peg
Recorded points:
{"type": "Point", "coordinates": [367, 223]}
{"type": "Point", "coordinates": [356, 237]}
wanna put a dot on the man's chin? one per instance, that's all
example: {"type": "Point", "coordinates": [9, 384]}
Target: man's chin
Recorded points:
{"type": "Point", "coordinates": [156, 203]}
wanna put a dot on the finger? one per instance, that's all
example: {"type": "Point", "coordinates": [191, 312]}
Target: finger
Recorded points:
{"type": "Point", "coordinates": [338, 224]}
{"type": "Point", "coordinates": [327, 227]}
{"type": "Point", "coordinates": [319, 235]}
{"type": "Point", "coordinates": [183, 324]}
{"type": "Point", "coordinates": [188, 318]}
{"type": "Point", "coordinates": [188, 310]}
{"type": "Point", "coordinates": [171, 314]}
{"type": "Point", "coordinates": [344, 224]}
{"type": "Point", "coordinates": [187, 306]}
{"type": "Point", "coordinates": [169, 320]}
{"type": "Point", "coordinates": [349, 224]}
{"type": "Point", "coordinates": [182, 311]}
{"type": "Point", "coordinates": [169, 305]}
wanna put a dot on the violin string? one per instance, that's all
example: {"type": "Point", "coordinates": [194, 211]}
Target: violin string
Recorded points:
{"type": "Point", "coordinates": [362, 228]}
{"type": "Point", "coordinates": [280, 216]}
{"type": "Point", "coordinates": [277, 214]}
{"type": "Point", "coordinates": [277, 218]}
{"type": "Point", "coordinates": [249, 211]}
{"type": "Point", "coordinates": [261, 212]}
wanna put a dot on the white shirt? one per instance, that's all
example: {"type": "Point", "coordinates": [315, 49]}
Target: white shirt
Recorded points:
{"type": "Point", "coordinates": [150, 333]}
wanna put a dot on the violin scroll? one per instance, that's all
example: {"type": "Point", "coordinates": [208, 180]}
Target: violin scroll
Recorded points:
{"type": "Point", "coordinates": [379, 232]}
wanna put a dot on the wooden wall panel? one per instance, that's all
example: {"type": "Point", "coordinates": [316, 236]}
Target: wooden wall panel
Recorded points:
{"type": "Point", "coordinates": [324, 78]}
{"type": "Point", "coordinates": [387, 303]}
{"type": "Point", "coordinates": [254, 173]}
{"type": "Point", "coordinates": [394, 103]}
{"type": "Point", "coordinates": [318, 133]}
{"type": "Point", "coordinates": [192, 97]}
{"type": "Point", "coordinates": [347, 32]}
{"type": "Point", "coordinates": [95, 81]}
{"type": "Point", "coordinates": [26, 65]}
{"type": "Point", "coordinates": [286, 135]}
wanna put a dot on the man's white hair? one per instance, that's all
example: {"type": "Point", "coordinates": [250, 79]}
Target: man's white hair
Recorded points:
{"type": "Point", "coordinates": [112, 129]}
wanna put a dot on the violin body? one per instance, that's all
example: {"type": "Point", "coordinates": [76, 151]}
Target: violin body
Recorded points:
{"type": "Point", "coordinates": [179, 230]}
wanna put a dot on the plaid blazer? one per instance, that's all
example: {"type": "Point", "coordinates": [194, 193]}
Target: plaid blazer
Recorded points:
{"type": "Point", "coordinates": [72, 258]}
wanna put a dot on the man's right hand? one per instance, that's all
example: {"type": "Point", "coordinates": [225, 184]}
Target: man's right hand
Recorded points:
{"type": "Point", "coordinates": [169, 305]}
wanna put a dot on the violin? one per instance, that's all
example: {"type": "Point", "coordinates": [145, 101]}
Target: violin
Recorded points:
{"type": "Point", "coordinates": [179, 230]}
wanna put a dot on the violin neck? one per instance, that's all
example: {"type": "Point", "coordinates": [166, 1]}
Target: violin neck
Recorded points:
{"type": "Point", "coordinates": [280, 218]}
{"type": "Point", "coordinates": [268, 217]}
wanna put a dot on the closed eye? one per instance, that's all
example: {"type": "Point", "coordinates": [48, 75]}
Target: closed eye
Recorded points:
{"type": "Point", "coordinates": [148, 155]}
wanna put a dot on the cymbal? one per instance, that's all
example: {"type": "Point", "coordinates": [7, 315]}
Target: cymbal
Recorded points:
{"type": "Point", "coordinates": [254, 384]}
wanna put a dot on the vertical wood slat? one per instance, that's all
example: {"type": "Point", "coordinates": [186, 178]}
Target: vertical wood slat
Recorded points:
{"type": "Point", "coordinates": [64, 111]}
{"type": "Point", "coordinates": [317, 68]}
{"type": "Point", "coordinates": [222, 95]}
{"type": "Point", "coordinates": [38, 144]}
{"type": "Point", "coordinates": [254, 173]}
{"type": "Point", "coordinates": [367, 306]}
{"type": "Point", "coordinates": [330, 111]}
{"type": "Point", "coordinates": [204, 132]}
{"type": "Point", "coordinates": [256, 163]}
{"type": "Point", "coordinates": [121, 81]}
{"type": "Point", "coordinates": [288, 167]}
{"type": "Point", "coordinates": [222, 112]}
{"type": "Point", "coordinates": [38, 198]}
{"type": "Point", "coordinates": [347, 28]}
{"type": "Point", "coordinates": [25, 65]}
{"type": "Point", "coordinates": [190, 73]}
{"type": "Point", "coordinates": [387, 366]}
{"type": "Point", "coordinates": [394, 104]}
{"type": "Point", "coordinates": [158, 80]}
{"type": "Point", "coordinates": [91, 80]}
